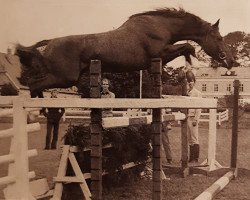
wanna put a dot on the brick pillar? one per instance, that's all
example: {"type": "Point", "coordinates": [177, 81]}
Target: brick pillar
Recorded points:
{"type": "Point", "coordinates": [156, 70]}
{"type": "Point", "coordinates": [96, 131]}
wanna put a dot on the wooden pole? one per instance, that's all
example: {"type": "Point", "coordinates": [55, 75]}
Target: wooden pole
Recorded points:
{"type": "Point", "coordinates": [96, 131]}
{"type": "Point", "coordinates": [184, 138]}
{"type": "Point", "coordinates": [234, 142]}
{"type": "Point", "coordinates": [216, 187]}
{"type": "Point", "coordinates": [156, 70]}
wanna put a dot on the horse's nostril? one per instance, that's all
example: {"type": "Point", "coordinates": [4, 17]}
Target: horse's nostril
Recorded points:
{"type": "Point", "coordinates": [222, 55]}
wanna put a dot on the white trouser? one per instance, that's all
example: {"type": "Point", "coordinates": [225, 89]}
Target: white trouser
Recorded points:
{"type": "Point", "coordinates": [192, 131]}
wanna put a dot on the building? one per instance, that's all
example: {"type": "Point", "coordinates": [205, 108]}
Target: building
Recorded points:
{"type": "Point", "coordinates": [10, 70]}
{"type": "Point", "coordinates": [218, 82]}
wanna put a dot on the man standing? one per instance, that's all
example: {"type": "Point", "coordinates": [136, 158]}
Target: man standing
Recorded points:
{"type": "Point", "coordinates": [107, 112]}
{"type": "Point", "coordinates": [53, 118]}
{"type": "Point", "coordinates": [192, 122]}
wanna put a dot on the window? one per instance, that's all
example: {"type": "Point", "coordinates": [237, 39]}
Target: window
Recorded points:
{"type": "Point", "coordinates": [216, 87]}
{"type": "Point", "coordinates": [204, 87]}
{"type": "Point", "coordinates": [229, 87]}
{"type": "Point", "coordinates": [241, 88]}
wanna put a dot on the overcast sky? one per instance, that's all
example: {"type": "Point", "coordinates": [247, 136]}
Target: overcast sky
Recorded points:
{"type": "Point", "coordinates": [29, 21]}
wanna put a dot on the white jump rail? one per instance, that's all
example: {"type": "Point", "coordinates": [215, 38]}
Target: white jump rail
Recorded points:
{"type": "Point", "coordinates": [178, 102]}
{"type": "Point", "coordinates": [18, 177]}
{"type": "Point", "coordinates": [112, 122]}
{"type": "Point", "coordinates": [216, 187]}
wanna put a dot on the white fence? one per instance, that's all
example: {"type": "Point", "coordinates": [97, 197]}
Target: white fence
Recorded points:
{"type": "Point", "coordinates": [220, 117]}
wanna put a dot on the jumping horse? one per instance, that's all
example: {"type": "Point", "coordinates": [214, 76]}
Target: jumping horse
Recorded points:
{"type": "Point", "coordinates": [128, 48]}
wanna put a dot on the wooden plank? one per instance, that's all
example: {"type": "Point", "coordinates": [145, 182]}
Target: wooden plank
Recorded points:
{"type": "Point", "coordinates": [61, 172]}
{"type": "Point", "coordinates": [10, 157]}
{"type": "Point", "coordinates": [7, 180]}
{"type": "Point", "coordinates": [75, 149]}
{"type": "Point", "coordinates": [30, 128]}
{"type": "Point", "coordinates": [68, 179]}
{"type": "Point", "coordinates": [78, 172]}
{"type": "Point", "coordinates": [187, 102]}
{"type": "Point", "coordinates": [7, 101]}
{"type": "Point", "coordinates": [6, 112]}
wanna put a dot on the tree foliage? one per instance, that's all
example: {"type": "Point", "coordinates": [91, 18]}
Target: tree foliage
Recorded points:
{"type": "Point", "coordinates": [239, 44]}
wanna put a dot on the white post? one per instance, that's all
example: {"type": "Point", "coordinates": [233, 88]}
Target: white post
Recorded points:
{"type": "Point", "coordinates": [212, 137]}
{"type": "Point", "coordinates": [19, 148]}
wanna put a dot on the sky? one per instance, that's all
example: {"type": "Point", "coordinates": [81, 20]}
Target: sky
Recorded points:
{"type": "Point", "coordinates": [29, 21]}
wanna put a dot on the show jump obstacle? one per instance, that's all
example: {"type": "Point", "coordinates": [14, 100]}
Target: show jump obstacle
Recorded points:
{"type": "Point", "coordinates": [96, 104]}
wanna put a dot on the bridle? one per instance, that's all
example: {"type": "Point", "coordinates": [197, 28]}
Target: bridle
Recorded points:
{"type": "Point", "coordinates": [222, 54]}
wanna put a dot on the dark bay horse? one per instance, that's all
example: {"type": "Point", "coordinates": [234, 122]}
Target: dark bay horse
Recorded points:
{"type": "Point", "coordinates": [128, 48]}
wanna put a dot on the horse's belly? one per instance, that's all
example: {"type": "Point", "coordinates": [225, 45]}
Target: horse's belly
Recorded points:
{"type": "Point", "coordinates": [123, 60]}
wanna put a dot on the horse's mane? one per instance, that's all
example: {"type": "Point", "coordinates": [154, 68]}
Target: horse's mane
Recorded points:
{"type": "Point", "coordinates": [172, 12]}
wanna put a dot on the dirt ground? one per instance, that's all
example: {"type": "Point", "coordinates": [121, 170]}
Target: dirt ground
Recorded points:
{"type": "Point", "coordinates": [46, 163]}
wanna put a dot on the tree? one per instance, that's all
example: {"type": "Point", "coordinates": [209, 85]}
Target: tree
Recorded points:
{"type": "Point", "coordinates": [239, 44]}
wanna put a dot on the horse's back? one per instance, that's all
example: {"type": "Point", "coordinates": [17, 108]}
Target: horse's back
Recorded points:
{"type": "Point", "coordinates": [110, 47]}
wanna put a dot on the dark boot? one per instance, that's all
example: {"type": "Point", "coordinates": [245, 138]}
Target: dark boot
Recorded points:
{"type": "Point", "coordinates": [196, 152]}
{"type": "Point", "coordinates": [47, 145]}
{"type": "Point", "coordinates": [191, 153]}
{"type": "Point", "coordinates": [53, 145]}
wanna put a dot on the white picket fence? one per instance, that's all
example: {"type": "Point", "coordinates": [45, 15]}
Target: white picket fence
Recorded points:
{"type": "Point", "coordinates": [220, 117]}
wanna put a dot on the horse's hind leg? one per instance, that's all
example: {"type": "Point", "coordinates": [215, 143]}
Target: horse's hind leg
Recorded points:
{"type": "Point", "coordinates": [47, 82]}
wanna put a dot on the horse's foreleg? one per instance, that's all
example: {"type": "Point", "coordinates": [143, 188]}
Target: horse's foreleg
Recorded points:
{"type": "Point", "coordinates": [170, 52]}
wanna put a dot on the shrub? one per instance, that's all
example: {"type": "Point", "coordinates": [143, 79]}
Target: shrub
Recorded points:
{"type": "Point", "coordinates": [130, 144]}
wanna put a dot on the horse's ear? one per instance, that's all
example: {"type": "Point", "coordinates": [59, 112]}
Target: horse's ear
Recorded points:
{"type": "Point", "coordinates": [216, 25]}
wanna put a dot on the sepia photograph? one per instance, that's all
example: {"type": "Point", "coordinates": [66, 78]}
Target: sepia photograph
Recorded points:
{"type": "Point", "coordinates": [124, 99]}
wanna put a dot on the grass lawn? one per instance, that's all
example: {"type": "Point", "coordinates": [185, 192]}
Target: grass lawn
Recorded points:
{"type": "Point", "coordinates": [46, 165]}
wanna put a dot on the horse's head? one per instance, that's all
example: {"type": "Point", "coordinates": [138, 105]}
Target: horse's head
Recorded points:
{"type": "Point", "coordinates": [213, 44]}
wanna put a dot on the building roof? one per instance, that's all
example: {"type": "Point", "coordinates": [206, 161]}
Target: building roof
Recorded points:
{"type": "Point", "coordinates": [10, 65]}
{"type": "Point", "coordinates": [221, 72]}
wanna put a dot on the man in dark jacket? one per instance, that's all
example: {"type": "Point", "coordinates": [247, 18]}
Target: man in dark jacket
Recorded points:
{"type": "Point", "coordinates": [53, 118]}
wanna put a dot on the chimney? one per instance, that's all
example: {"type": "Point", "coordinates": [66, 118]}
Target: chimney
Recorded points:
{"type": "Point", "coordinates": [9, 51]}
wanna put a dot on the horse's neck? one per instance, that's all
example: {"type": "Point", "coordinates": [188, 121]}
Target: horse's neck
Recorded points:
{"type": "Point", "coordinates": [187, 31]}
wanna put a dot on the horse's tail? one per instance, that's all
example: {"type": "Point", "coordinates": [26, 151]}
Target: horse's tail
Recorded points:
{"type": "Point", "coordinates": [20, 47]}
{"type": "Point", "coordinates": [26, 54]}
